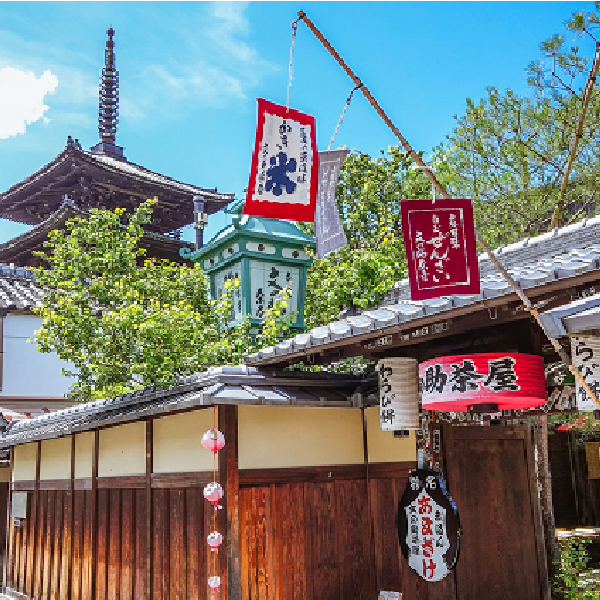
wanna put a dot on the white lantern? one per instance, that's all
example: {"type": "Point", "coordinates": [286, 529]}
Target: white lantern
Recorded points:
{"type": "Point", "coordinates": [399, 393]}
{"type": "Point", "coordinates": [214, 583]}
{"type": "Point", "coordinates": [214, 540]}
{"type": "Point", "coordinates": [213, 440]}
{"type": "Point", "coordinates": [213, 492]}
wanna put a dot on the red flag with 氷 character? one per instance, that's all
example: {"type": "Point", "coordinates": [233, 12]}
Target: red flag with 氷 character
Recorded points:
{"type": "Point", "coordinates": [440, 248]}
{"type": "Point", "coordinates": [285, 165]}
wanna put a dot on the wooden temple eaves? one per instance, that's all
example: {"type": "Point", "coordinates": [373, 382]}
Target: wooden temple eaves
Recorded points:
{"type": "Point", "coordinates": [98, 180]}
{"type": "Point", "coordinates": [19, 250]}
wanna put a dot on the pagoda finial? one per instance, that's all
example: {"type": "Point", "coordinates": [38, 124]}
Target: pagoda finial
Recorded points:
{"type": "Point", "coordinates": [108, 113]}
{"type": "Point", "coordinates": [109, 94]}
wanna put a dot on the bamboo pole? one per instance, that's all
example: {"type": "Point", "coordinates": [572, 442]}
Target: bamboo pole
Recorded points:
{"type": "Point", "coordinates": [585, 100]}
{"type": "Point", "coordinates": [442, 190]}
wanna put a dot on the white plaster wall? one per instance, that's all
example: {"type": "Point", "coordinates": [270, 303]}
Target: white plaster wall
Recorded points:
{"type": "Point", "coordinates": [122, 450]}
{"type": "Point", "coordinates": [178, 442]}
{"type": "Point", "coordinates": [282, 436]}
{"type": "Point", "coordinates": [24, 462]}
{"type": "Point", "coordinates": [27, 372]}
{"type": "Point", "coordinates": [84, 450]}
{"type": "Point", "coordinates": [383, 446]}
{"type": "Point", "coordinates": [55, 462]}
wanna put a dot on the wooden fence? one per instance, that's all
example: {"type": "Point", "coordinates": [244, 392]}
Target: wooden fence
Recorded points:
{"type": "Point", "coordinates": [318, 533]}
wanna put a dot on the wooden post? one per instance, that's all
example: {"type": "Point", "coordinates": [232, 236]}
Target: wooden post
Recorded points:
{"type": "Point", "coordinates": [229, 479]}
{"type": "Point", "coordinates": [94, 519]}
{"type": "Point", "coordinates": [31, 551]}
{"type": "Point", "coordinates": [371, 516]}
{"type": "Point", "coordinates": [149, 520]}
{"type": "Point", "coordinates": [72, 543]}
{"type": "Point", "coordinates": [8, 547]}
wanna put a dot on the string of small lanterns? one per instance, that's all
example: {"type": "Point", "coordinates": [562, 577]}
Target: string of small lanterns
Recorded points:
{"type": "Point", "coordinates": [214, 441]}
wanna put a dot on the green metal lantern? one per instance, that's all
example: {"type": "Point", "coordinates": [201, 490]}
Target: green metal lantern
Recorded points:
{"type": "Point", "coordinates": [265, 255]}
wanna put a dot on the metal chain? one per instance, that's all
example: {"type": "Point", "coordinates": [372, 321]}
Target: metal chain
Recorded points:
{"type": "Point", "coordinates": [348, 100]}
{"type": "Point", "coordinates": [291, 68]}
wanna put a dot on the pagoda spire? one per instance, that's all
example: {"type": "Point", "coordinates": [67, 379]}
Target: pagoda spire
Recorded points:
{"type": "Point", "coordinates": [108, 112]}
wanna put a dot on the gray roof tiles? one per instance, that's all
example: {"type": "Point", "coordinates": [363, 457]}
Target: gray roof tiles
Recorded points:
{"type": "Point", "coordinates": [234, 385]}
{"type": "Point", "coordinates": [17, 289]}
{"type": "Point", "coordinates": [560, 254]}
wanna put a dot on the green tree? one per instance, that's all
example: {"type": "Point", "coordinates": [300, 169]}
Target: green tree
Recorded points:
{"type": "Point", "coordinates": [509, 152]}
{"type": "Point", "coordinates": [126, 323]}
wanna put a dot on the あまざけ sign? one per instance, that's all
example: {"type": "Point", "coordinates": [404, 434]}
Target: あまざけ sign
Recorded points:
{"type": "Point", "coordinates": [508, 380]}
{"type": "Point", "coordinates": [428, 525]}
{"type": "Point", "coordinates": [440, 247]}
{"type": "Point", "coordinates": [285, 165]}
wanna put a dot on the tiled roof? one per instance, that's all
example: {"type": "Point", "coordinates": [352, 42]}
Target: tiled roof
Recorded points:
{"type": "Point", "coordinates": [130, 168]}
{"type": "Point", "coordinates": [17, 288]}
{"type": "Point", "coordinates": [222, 385]}
{"type": "Point", "coordinates": [533, 262]}
{"type": "Point", "coordinates": [575, 317]}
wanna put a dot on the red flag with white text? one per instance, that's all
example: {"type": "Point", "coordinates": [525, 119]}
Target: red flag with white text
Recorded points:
{"type": "Point", "coordinates": [439, 237]}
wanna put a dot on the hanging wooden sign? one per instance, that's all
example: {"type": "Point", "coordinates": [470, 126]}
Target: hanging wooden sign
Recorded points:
{"type": "Point", "coordinates": [285, 165]}
{"type": "Point", "coordinates": [428, 525]}
{"type": "Point", "coordinates": [585, 354]}
{"type": "Point", "coordinates": [498, 381]}
{"type": "Point", "coordinates": [440, 247]}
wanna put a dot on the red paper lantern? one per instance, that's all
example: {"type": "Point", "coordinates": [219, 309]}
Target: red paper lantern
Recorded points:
{"type": "Point", "coordinates": [483, 382]}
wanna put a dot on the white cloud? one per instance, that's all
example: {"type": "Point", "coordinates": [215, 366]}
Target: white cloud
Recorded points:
{"type": "Point", "coordinates": [220, 64]}
{"type": "Point", "coordinates": [22, 99]}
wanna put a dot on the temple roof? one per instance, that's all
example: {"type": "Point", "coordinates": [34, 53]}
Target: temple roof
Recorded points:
{"type": "Point", "coordinates": [96, 180]}
{"type": "Point", "coordinates": [19, 249]}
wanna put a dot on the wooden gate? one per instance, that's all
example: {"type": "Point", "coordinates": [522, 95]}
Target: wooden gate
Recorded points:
{"type": "Point", "coordinates": [490, 473]}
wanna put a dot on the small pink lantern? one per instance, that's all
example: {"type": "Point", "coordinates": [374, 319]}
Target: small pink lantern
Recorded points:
{"type": "Point", "coordinates": [214, 583]}
{"type": "Point", "coordinates": [213, 440]}
{"type": "Point", "coordinates": [213, 492]}
{"type": "Point", "coordinates": [214, 540]}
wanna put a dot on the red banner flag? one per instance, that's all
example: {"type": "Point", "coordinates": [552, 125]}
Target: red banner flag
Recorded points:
{"type": "Point", "coordinates": [440, 247]}
{"type": "Point", "coordinates": [284, 175]}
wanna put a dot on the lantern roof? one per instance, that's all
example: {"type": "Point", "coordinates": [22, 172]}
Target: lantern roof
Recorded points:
{"type": "Point", "coordinates": [275, 230]}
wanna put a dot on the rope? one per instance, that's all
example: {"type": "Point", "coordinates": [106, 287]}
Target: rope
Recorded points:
{"type": "Point", "coordinates": [348, 100]}
{"type": "Point", "coordinates": [291, 67]}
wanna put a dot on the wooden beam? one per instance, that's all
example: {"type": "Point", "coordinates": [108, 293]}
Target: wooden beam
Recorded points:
{"type": "Point", "coordinates": [229, 479]}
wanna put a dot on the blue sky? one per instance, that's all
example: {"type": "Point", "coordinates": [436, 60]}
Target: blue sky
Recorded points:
{"type": "Point", "coordinates": [190, 73]}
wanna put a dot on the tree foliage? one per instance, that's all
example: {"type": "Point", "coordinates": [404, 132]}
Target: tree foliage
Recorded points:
{"type": "Point", "coordinates": [508, 152]}
{"type": "Point", "coordinates": [125, 323]}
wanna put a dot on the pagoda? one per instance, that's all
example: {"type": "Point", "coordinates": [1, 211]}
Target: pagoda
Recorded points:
{"type": "Point", "coordinates": [78, 180]}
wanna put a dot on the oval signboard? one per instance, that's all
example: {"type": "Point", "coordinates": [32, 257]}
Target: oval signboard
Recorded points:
{"type": "Point", "coordinates": [428, 525]}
